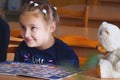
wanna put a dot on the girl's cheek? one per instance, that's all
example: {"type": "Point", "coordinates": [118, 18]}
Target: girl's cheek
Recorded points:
{"type": "Point", "coordinates": [22, 34]}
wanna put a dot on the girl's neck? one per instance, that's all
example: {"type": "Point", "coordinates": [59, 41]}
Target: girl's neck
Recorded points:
{"type": "Point", "coordinates": [48, 44]}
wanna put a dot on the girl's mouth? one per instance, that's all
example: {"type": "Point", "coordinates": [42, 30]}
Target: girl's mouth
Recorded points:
{"type": "Point", "coordinates": [29, 40]}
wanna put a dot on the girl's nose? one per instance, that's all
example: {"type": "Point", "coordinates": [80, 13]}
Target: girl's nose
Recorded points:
{"type": "Point", "coordinates": [26, 33]}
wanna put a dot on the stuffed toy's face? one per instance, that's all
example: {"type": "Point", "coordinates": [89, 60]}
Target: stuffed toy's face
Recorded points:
{"type": "Point", "coordinates": [109, 36]}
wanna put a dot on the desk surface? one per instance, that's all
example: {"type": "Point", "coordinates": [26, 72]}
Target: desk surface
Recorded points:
{"type": "Point", "coordinates": [90, 33]}
{"type": "Point", "coordinates": [74, 77]}
{"type": "Point", "coordinates": [6, 77]}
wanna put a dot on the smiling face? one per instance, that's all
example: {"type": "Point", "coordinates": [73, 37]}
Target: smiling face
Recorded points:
{"type": "Point", "coordinates": [35, 31]}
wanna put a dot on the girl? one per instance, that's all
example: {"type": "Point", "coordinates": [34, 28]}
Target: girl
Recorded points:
{"type": "Point", "coordinates": [38, 21]}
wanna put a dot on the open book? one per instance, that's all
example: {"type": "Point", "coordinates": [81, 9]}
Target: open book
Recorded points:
{"type": "Point", "coordinates": [34, 70]}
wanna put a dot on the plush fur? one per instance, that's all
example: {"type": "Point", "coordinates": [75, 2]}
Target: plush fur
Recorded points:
{"type": "Point", "coordinates": [109, 38]}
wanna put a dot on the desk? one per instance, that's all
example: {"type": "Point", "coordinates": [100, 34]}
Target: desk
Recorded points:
{"type": "Point", "coordinates": [6, 77]}
{"type": "Point", "coordinates": [83, 77]}
{"type": "Point", "coordinates": [74, 77]}
{"type": "Point", "coordinates": [90, 33]}
{"type": "Point", "coordinates": [15, 39]}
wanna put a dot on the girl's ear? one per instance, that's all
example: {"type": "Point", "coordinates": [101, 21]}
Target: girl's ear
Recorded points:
{"type": "Point", "coordinates": [52, 27]}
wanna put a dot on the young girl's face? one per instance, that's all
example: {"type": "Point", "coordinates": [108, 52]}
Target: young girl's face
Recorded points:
{"type": "Point", "coordinates": [35, 31]}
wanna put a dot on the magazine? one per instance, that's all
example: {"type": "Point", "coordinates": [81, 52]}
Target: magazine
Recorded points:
{"type": "Point", "coordinates": [45, 71]}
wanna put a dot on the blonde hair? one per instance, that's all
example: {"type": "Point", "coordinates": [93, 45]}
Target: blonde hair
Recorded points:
{"type": "Point", "coordinates": [45, 9]}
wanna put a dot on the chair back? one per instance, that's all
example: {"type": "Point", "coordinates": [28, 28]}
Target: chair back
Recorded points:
{"type": "Point", "coordinates": [59, 3]}
{"type": "Point", "coordinates": [15, 39]}
{"type": "Point", "coordinates": [14, 42]}
{"type": "Point", "coordinates": [74, 15]}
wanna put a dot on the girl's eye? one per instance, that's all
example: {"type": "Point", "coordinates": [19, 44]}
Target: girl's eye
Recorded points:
{"type": "Point", "coordinates": [23, 28]}
{"type": "Point", "coordinates": [34, 28]}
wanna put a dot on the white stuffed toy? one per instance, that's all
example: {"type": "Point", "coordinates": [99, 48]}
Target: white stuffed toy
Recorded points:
{"type": "Point", "coordinates": [109, 38]}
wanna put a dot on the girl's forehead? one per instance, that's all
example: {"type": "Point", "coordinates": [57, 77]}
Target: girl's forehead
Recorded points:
{"type": "Point", "coordinates": [31, 16]}
{"type": "Point", "coordinates": [35, 13]}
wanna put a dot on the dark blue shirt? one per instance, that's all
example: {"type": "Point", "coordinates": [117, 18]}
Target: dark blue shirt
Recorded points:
{"type": "Point", "coordinates": [59, 54]}
{"type": "Point", "coordinates": [4, 39]}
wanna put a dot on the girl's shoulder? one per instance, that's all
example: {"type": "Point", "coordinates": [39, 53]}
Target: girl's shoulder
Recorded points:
{"type": "Point", "coordinates": [23, 45]}
{"type": "Point", "coordinates": [62, 45]}
{"type": "Point", "coordinates": [60, 42]}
